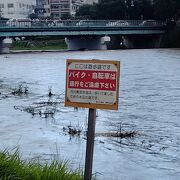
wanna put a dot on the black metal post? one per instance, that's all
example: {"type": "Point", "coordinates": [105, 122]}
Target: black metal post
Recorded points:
{"type": "Point", "coordinates": [90, 144]}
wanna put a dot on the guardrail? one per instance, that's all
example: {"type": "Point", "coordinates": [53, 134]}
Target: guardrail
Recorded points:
{"type": "Point", "coordinates": [79, 23]}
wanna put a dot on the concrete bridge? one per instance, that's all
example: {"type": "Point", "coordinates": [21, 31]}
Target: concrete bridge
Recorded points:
{"type": "Point", "coordinates": [87, 34]}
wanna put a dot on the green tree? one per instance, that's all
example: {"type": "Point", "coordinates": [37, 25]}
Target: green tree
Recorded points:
{"type": "Point", "coordinates": [141, 9]}
{"type": "Point", "coordinates": [33, 16]}
{"type": "Point", "coordinates": [177, 5]}
{"type": "Point", "coordinates": [66, 16]}
{"type": "Point", "coordinates": [117, 9]}
{"type": "Point", "coordinates": [106, 9]}
{"type": "Point", "coordinates": [110, 9]}
{"type": "Point", "coordinates": [87, 12]}
{"type": "Point", "coordinates": [165, 9]}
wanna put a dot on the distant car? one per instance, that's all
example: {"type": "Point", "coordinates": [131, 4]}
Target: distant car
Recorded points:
{"type": "Point", "coordinates": [81, 22]}
{"type": "Point", "coordinates": [19, 22]}
{"type": "Point", "coordinates": [58, 23]}
{"type": "Point", "coordinates": [178, 23]}
{"type": "Point", "coordinates": [149, 23]}
{"type": "Point", "coordinates": [85, 23]}
{"type": "Point", "coordinates": [50, 23]}
{"type": "Point", "coordinates": [118, 23]}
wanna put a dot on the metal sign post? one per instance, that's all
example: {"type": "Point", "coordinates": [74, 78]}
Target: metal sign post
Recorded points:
{"type": "Point", "coordinates": [92, 84]}
{"type": "Point", "coordinates": [90, 144]}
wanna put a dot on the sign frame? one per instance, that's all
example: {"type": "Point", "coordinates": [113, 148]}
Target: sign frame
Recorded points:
{"type": "Point", "coordinates": [93, 105]}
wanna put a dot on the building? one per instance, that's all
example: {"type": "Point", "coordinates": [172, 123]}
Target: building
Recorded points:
{"type": "Point", "coordinates": [60, 8]}
{"type": "Point", "coordinates": [16, 8]}
{"type": "Point", "coordinates": [90, 1]}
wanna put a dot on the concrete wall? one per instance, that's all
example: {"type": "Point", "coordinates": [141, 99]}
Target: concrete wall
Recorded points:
{"type": "Point", "coordinates": [115, 43]}
{"type": "Point", "coordinates": [4, 45]}
{"type": "Point", "coordinates": [135, 41]}
{"type": "Point", "coordinates": [142, 41]}
{"type": "Point", "coordinates": [172, 37]}
{"type": "Point", "coordinates": [1, 45]}
{"type": "Point", "coordinates": [87, 42]}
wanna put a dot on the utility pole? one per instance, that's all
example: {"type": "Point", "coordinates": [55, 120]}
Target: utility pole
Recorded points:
{"type": "Point", "coordinates": [59, 9]}
{"type": "Point", "coordinates": [127, 4]}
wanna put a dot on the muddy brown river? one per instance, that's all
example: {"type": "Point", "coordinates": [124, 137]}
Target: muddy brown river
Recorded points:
{"type": "Point", "coordinates": [149, 105]}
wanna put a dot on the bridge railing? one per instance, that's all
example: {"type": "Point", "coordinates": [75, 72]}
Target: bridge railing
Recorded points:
{"type": "Point", "coordinates": [79, 23]}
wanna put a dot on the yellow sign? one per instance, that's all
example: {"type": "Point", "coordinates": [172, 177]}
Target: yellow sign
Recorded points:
{"type": "Point", "coordinates": [92, 84]}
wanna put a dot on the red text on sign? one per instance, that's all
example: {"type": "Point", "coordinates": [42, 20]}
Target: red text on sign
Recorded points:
{"type": "Point", "coordinates": [88, 79]}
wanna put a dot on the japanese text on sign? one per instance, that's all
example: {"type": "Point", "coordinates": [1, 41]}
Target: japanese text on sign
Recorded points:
{"type": "Point", "coordinates": [80, 79]}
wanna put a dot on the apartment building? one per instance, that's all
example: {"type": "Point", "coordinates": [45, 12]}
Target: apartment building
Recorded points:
{"type": "Point", "coordinates": [16, 8]}
{"type": "Point", "coordinates": [59, 8]}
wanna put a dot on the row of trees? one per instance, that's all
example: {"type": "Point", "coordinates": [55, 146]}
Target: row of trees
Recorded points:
{"type": "Point", "coordinates": [131, 9]}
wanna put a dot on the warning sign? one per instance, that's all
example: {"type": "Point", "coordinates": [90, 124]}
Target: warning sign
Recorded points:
{"type": "Point", "coordinates": [92, 84]}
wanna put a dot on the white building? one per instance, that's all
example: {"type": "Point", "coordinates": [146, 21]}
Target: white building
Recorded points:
{"type": "Point", "coordinates": [16, 8]}
{"type": "Point", "coordinates": [58, 8]}
{"type": "Point", "coordinates": [90, 1]}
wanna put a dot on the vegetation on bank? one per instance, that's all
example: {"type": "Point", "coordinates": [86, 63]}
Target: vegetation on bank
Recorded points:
{"type": "Point", "coordinates": [12, 168]}
{"type": "Point", "coordinates": [42, 43]}
{"type": "Point", "coordinates": [171, 39]}
{"type": "Point", "coordinates": [131, 9]}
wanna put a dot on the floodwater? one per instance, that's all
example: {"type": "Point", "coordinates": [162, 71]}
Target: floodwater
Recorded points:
{"type": "Point", "coordinates": [149, 105]}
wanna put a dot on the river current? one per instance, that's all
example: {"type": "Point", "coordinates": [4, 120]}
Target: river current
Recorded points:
{"type": "Point", "coordinates": [149, 105]}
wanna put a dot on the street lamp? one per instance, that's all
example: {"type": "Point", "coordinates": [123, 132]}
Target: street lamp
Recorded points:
{"type": "Point", "coordinates": [125, 13]}
{"type": "Point", "coordinates": [132, 3]}
{"type": "Point", "coordinates": [127, 6]}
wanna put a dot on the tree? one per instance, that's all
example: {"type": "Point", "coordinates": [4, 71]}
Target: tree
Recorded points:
{"type": "Point", "coordinates": [66, 16]}
{"type": "Point", "coordinates": [117, 9]}
{"type": "Point", "coordinates": [165, 9]}
{"type": "Point", "coordinates": [33, 16]}
{"type": "Point", "coordinates": [177, 15]}
{"type": "Point", "coordinates": [111, 9]}
{"type": "Point", "coordinates": [141, 9]}
{"type": "Point", "coordinates": [106, 9]}
{"type": "Point", "coordinates": [87, 12]}
{"type": "Point", "coordinates": [132, 9]}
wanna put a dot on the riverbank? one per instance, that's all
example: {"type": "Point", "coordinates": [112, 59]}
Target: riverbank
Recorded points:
{"type": "Point", "coordinates": [172, 38]}
{"type": "Point", "coordinates": [39, 44]}
{"type": "Point", "coordinates": [12, 167]}
{"type": "Point", "coordinates": [35, 51]}
{"type": "Point", "coordinates": [52, 44]}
